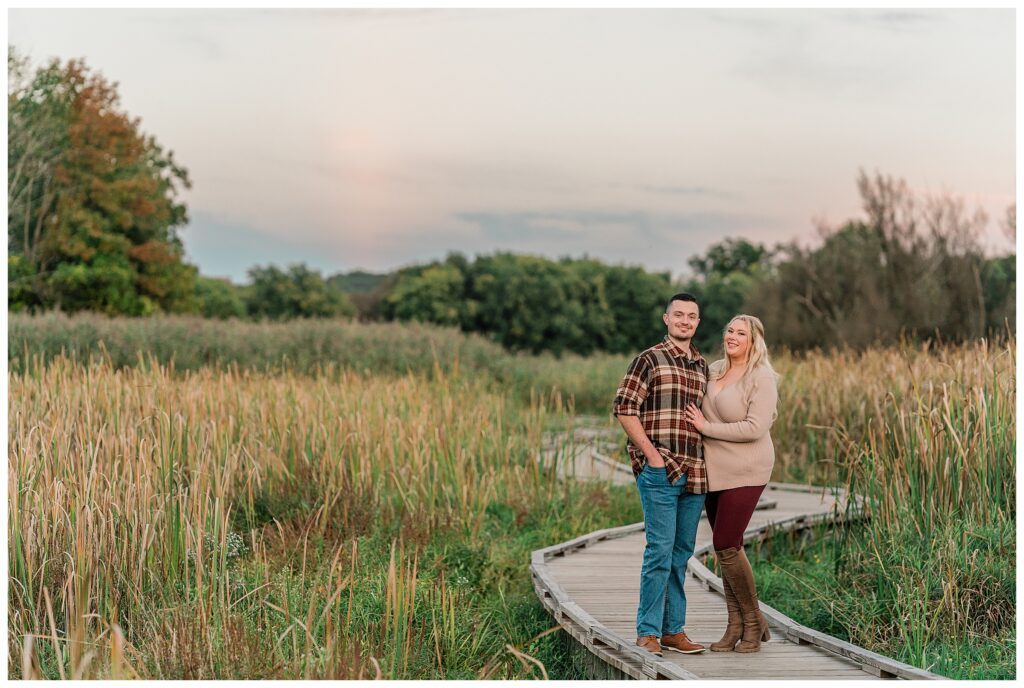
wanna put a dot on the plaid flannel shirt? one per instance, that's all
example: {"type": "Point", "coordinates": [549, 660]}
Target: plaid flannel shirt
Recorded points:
{"type": "Point", "coordinates": [657, 387]}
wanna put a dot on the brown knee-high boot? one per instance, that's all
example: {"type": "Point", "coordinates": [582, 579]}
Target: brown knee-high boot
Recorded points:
{"type": "Point", "coordinates": [734, 631]}
{"type": "Point", "coordinates": [741, 577]}
{"type": "Point", "coordinates": [765, 635]}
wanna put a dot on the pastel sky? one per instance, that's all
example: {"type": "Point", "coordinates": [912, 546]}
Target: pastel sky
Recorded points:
{"type": "Point", "coordinates": [377, 138]}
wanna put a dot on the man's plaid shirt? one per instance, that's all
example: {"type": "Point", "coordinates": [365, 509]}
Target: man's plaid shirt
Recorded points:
{"type": "Point", "coordinates": [657, 387]}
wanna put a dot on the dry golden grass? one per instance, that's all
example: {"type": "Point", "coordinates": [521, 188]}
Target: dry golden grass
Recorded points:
{"type": "Point", "coordinates": [935, 426]}
{"type": "Point", "coordinates": [129, 490]}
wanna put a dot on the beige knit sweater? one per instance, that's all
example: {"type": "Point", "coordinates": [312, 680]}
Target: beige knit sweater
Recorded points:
{"type": "Point", "coordinates": [738, 450]}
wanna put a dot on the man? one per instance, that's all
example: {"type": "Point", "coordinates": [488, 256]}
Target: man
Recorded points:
{"type": "Point", "coordinates": [666, 453]}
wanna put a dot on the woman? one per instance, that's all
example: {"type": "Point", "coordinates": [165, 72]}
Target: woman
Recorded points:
{"type": "Point", "coordinates": [734, 418]}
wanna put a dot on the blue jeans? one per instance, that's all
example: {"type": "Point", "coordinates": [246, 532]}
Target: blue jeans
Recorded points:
{"type": "Point", "coordinates": [671, 516]}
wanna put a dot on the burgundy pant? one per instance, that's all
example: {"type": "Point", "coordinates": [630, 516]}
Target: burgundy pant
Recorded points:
{"type": "Point", "coordinates": [729, 513]}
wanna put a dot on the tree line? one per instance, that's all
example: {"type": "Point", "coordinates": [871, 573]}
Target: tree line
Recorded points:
{"type": "Point", "coordinates": [94, 211]}
{"type": "Point", "coordinates": [92, 202]}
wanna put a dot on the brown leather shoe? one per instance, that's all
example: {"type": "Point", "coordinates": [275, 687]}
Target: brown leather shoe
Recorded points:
{"type": "Point", "coordinates": [650, 643]}
{"type": "Point", "coordinates": [680, 643]}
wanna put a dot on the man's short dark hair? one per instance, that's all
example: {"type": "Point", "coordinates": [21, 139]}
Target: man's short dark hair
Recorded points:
{"type": "Point", "coordinates": [682, 296]}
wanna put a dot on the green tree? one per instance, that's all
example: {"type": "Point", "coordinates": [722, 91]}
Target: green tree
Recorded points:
{"type": "Point", "coordinates": [623, 305]}
{"type": "Point", "coordinates": [527, 303]}
{"type": "Point", "coordinates": [721, 296]}
{"type": "Point", "coordinates": [999, 282]}
{"type": "Point", "coordinates": [534, 304]}
{"type": "Point", "coordinates": [298, 292]}
{"type": "Point", "coordinates": [910, 267]}
{"type": "Point", "coordinates": [999, 285]}
{"type": "Point", "coordinates": [436, 295]}
{"type": "Point", "coordinates": [19, 282]}
{"type": "Point", "coordinates": [724, 278]}
{"type": "Point", "coordinates": [728, 257]}
{"type": "Point", "coordinates": [219, 298]}
{"type": "Point", "coordinates": [93, 205]}
{"type": "Point", "coordinates": [357, 281]}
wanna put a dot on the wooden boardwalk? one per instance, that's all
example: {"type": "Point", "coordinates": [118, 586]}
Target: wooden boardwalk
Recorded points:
{"type": "Point", "coordinates": [591, 586]}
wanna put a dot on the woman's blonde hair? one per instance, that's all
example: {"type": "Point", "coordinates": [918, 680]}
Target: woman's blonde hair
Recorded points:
{"type": "Point", "coordinates": [758, 355]}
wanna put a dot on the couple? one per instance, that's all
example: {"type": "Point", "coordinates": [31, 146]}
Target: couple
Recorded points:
{"type": "Point", "coordinates": [698, 437]}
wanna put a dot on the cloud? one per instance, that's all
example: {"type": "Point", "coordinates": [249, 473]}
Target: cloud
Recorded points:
{"type": "Point", "coordinates": [900, 19]}
{"type": "Point", "coordinates": [583, 224]}
{"type": "Point", "coordinates": [224, 248]}
{"type": "Point", "coordinates": [677, 190]}
{"type": "Point", "coordinates": [205, 31]}
{"type": "Point", "coordinates": [823, 53]}
{"type": "Point", "coordinates": [551, 225]}
{"type": "Point", "coordinates": [460, 173]}
{"type": "Point", "coordinates": [743, 19]}
{"type": "Point", "coordinates": [657, 241]}
{"type": "Point", "coordinates": [802, 61]}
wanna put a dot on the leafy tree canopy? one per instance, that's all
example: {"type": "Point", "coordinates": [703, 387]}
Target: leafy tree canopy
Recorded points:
{"type": "Point", "coordinates": [93, 202]}
{"type": "Point", "coordinates": [219, 298]}
{"type": "Point", "coordinates": [911, 267]}
{"type": "Point", "coordinates": [297, 292]}
{"type": "Point", "coordinates": [730, 256]}
{"type": "Point", "coordinates": [357, 281]}
{"type": "Point", "coordinates": [533, 304]}
{"type": "Point", "coordinates": [725, 277]}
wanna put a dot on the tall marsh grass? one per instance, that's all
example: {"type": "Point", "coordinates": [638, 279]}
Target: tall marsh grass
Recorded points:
{"type": "Point", "coordinates": [315, 347]}
{"type": "Point", "coordinates": [927, 435]}
{"type": "Point", "coordinates": [937, 460]}
{"type": "Point", "coordinates": [329, 499]}
{"type": "Point", "coordinates": [232, 523]}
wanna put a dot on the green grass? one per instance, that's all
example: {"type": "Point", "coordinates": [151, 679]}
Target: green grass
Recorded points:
{"type": "Point", "coordinates": [902, 606]}
{"type": "Point", "coordinates": [470, 599]}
